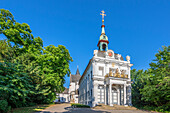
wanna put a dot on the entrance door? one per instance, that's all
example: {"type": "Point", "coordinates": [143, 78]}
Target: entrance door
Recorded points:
{"type": "Point", "coordinates": [100, 94]}
{"type": "Point", "coordinates": [114, 96]}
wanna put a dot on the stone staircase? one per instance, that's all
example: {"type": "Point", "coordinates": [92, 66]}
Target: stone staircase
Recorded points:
{"type": "Point", "coordinates": [114, 107]}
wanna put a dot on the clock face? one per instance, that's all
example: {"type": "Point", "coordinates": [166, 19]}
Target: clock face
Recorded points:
{"type": "Point", "coordinates": [110, 54]}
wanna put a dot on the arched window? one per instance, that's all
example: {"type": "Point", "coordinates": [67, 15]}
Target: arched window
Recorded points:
{"type": "Point", "coordinates": [114, 89]}
{"type": "Point", "coordinates": [114, 96]}
{"type": "Point", "coordinates": [101, 94]}
{"type": "Point", "coordinates": [104, 47]}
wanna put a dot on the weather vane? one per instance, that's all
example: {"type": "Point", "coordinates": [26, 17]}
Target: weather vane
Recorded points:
{"type": "Point", "coordinates": [103, 14]}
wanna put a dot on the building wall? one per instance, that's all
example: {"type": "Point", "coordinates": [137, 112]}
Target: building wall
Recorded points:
{"type": "Point", "coordinates": [74, 86]}
{"type": "Point", "coordinates": [90, 91]}
{"type": "Point", "coordinates": [86, 88]}
{"type": "Point", "coordinates": [64, 97]}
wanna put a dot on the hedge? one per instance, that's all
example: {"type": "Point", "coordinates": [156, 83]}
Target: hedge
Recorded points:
{"type": "Point", "coordinates": [75, 105]}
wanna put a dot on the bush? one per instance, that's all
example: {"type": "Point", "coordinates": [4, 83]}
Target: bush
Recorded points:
{"type": "Point", "coordinates": [79, 105]}
{"type": "Point", "coordinates": [4, 106]}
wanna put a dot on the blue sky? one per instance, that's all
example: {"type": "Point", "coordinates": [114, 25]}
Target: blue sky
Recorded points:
{"type": "Point", "coordinates": [138, 28]}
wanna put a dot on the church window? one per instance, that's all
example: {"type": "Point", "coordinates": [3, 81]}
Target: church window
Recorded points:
{"type": "Point", "coordinates": [101, 94]}
{"type": "Point", "coordinates": [91, 92]}
{"type": "Point", "coordinates": [114, 96]}
{"type": "Point", "coordinates": [88, 95]}
{"type": "Point", "coordinates": [91, 75]}
{"type": "Point", "coordinates": [104, 47]}
{"type": "Point", "coordinates": [104, 37]}
{"type": "Point", "coordinates": [101, 71]}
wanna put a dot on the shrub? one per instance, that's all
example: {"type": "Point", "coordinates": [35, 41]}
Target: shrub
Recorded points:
{"type": "Point", "coordinates": [79, 105]}
{"type": "Point", "coordinates": [4, 106]}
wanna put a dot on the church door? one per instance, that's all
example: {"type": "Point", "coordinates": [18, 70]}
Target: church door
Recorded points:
{"type": "Point", "coordinates": [100, 94]}
{"type": "Point", "coordinates": [114, 96]}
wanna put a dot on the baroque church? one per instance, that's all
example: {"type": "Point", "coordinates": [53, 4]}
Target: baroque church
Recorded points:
{"type": "Point", "coordinates": [106, 79]}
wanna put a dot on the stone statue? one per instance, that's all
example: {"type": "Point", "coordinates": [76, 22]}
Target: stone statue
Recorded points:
{"type": "Point", "coordinates": [126, 76]}
{"type": "Point", "coordinates": [128, 58]}
{"type": "Point", "coordinates": [95, 52]}
{"type": "Point", "coordinates": [110, 73]}
{"type": "Point", "coordinates": [118, 56]}
{"type": "Point", "coordinates": [117, 74]}
{"type": "Point", "coordinates": [123, 73]}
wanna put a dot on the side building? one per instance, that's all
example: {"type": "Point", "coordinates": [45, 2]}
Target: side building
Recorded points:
{"type": "Point", "coordinates": [64, 96]}
{"type": "Point", "coordinates": [106, 79]}
{"type": "Point", "coordinates": [74, 86]}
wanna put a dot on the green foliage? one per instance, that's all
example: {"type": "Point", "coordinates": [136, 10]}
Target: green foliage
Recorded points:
{"type": "Point", "coordinates": [4, 106]}
{"type": "Point", "coordinates": [29, 73]}
{"type": "Point", "coordinates": [15, 85]}
{"type": "Point", "coordinates": [6, 51]}
{"type": "Point", "coordinates": [20, 34]}
{"type": "Point", "coordinates": [138, 78]}
{"type": "Point", "coordinates": [152, 87]}
{"type": "Point", "coordinates": [76, 105]}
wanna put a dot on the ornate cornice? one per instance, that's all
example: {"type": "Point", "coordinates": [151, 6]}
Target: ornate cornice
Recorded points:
{"type": "Point", "coordinates": [103, 41]}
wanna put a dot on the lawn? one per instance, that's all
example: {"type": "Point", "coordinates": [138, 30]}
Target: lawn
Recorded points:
{"type": "Point", "coordinates": [30, 109]}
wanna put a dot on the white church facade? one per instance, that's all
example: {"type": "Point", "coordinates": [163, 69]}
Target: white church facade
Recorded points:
{"type": "Point", "coordinates": [106, 79]}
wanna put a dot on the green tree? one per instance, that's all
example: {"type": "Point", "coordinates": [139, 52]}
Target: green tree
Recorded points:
{"type": "Point", "coordinates": [157, 88]}
{"type": "Point", "coordinates": [55, 65]}
{"type": "Point", "coordinates": [6, 51]}
{"type": "Point", "coordinates": [19, 34]}
{"type": "Point", "coordinates": [138, 81]}
{"type": "Point", "coordinates": [29, 73]}
{"type": "Point", "coordinates": [14, 85]}
{"type": "Point", "coordinates": [151, 88]}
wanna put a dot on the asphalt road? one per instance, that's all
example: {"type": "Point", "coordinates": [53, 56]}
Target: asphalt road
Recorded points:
{"type": "Point", "coordinates": [66, 108]}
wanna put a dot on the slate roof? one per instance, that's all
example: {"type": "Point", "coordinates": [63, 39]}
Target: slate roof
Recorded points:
{"type": "Point", "coordinates": [76, 77]}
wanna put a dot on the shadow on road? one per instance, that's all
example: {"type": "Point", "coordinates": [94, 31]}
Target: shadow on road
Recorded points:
{"type": "Point", "coordinates": [77, 110]}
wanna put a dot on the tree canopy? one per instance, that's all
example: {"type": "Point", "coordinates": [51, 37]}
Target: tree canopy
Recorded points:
{"type": "Point", "coordinates": [29, 73]}
{"type": "Point", "coordinates": [151, 88]}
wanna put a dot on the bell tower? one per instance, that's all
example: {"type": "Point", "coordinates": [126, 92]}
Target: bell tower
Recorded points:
{"type": "Point", "coordinates": [103, 41]}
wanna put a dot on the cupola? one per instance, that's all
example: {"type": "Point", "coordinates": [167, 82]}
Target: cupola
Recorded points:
{"type": "Point", "coordinates": [103, 40]}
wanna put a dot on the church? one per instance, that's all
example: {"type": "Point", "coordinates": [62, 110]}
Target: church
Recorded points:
{"type": "Point", "coordinates": [106, 79]}
{"type": "Point", "coordinates": [70, 94]}
{"type": "Point", "coordinates": [73, 87]}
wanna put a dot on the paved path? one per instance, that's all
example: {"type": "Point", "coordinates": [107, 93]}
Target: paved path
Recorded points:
{"type": "Point", "coordinates": [65, 108]}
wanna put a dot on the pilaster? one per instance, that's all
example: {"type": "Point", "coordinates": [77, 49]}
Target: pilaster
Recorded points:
{"type": "Point", "coordinates": [105, 95]}
{"type": "Point", "coordinates": [110, 91]}
{"type": "Point", "coordinates": [95, 69]}
{"type": "Point", "coordinates": [118, 96]}
{"type": "Point", "coordinates": [95, 87]}
{"type": "Point", "coordinates": [130, 96]}
{"type": "Point", "coordinates": [129, 72]}
{"type": "Point", "coordinates": [124, 94]}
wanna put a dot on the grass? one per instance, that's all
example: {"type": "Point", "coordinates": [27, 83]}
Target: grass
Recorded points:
{"type": "Point", "coordinates": [162, 109]}
{"type": "Point", "coordinates": [79, 105]}
{"type": "Point", "coordinates": [29, 109]}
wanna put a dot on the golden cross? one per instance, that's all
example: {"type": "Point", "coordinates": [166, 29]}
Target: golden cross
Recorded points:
{"type": "Point", "coordinates": [102, 14]}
